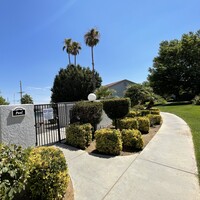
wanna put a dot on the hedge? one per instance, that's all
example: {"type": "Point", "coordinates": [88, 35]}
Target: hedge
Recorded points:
{"type": "Point", "coordinates": [144, 124]}
{"type": "Point", "coordinates": [108, 141]}
{"type": "Point", "coordinates": [128, 123]}
{"type": "Point", "coordinates": [79, 135]}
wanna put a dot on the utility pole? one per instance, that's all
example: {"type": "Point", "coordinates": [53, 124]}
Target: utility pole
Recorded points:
{"type": "Point", "coordinates": [20, 92]}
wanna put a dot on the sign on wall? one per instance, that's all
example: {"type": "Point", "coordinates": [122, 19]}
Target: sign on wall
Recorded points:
{"type": "Point", "coordinates": [17, 112]}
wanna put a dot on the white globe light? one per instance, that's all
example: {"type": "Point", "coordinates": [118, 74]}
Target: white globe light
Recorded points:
{"type": "Point", "coordinates": [92, 97]}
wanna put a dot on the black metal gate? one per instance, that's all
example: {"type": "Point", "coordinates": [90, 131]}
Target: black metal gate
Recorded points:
{"type": "Point", "coordinates": [47, 124]}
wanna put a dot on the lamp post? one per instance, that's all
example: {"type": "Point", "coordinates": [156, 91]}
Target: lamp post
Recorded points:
{"type": "Point", "coordinates": [92, 97]}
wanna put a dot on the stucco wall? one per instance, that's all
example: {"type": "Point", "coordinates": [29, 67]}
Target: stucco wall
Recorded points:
{"type": "Point", "coordinates": [18, 130]}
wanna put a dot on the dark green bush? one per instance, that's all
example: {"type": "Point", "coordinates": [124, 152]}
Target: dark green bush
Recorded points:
{"type": "Point", "coordinates": [128, 123]}
{"type": "Point", "coordinates": [48, 174]}
{"type": "Point", "coordinates": [13, 170]}
{"type": "Point", "coordinates": [144, 124]}
{"type": "Point", "coordinates": [116, 108]}
{"type": "Point", "coordinates": [87, 112]}
{"type": "Point", "coordinates": [79, 135]}
{"type": "Point", "coordinates": [196, 100]}
{"type": "Point", "coordinates": [145, 112]}
{"type": "Point", "coordinates": [132, 139]}
{"type": "Point", "coordinates": [108, 141]}
{"type": "Point", "coordinates": [154, 119]}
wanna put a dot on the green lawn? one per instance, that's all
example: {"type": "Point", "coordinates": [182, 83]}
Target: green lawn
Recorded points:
{"type": "Point", "coordinates": [191, 114]}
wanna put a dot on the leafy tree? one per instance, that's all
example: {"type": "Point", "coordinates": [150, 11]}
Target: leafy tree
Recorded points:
{"type": "Point", "coordinates": [26, 99]}
{"type": "Point", "coordinates": [104, 92]}
{"type": "Point", "coordinates": [176, 69]}
{"type": "Point", "coordinates": [73, 83]}
{"type": "Point", "coordinates": [68, 47]}
{"type": "Point", "coordinates": [3, 101]}
{"type": "Point", "coordinates": [91, 40]}
{"type": "Point", "coordinates": [75, 47]}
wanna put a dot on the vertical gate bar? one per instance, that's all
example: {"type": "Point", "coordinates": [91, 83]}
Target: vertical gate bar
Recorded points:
{"type": "Point", "coordinates": [36, 132]}
{"type": "Point", "coordinates": [58, 123]}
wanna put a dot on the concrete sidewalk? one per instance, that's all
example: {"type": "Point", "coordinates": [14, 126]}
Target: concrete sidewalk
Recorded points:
{"type": "Point", "coordinates": [164, 170]}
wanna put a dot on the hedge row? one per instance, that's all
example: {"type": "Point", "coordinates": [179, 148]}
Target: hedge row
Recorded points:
{"type": "Point", "coordinates": [38, 173]}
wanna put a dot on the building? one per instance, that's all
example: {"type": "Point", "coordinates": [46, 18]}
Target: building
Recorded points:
{"type": "Point", "coordinates": [120, 87]}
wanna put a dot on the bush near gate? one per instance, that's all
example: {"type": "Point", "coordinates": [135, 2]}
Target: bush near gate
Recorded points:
{"type": "Point", "coordinates": [154, 119]}
{"type": "Point", "coordinates": [13, 170]}
{"type": "Point", "coordinates": [87, 112]}
{"type": "Point", "coordinates": [79, 135]}
{"type": "Point", "coordinates": [128, 123]}
{"type": "Point", "coordinates": [132, 139]}
{"type": "Point", "coordinates": [48, 173]}
{"type": "Point", "coordinates": [116, 108]}
{"type": "Point", "coordinates": [108, 141]}
{"type": "Point", "coordinates": [144, 124]}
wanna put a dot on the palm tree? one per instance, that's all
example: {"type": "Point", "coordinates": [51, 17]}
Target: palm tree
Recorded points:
{"type": "Point", "coordinates": [75, 47]}
{"type": "Point", "coordinates": [91, 40]}
{"type": "Point", "coordinates": [68, 47]}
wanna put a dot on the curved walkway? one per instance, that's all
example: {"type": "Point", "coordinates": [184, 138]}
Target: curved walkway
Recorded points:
{"type": "Point", "coordinates": [164, 170]}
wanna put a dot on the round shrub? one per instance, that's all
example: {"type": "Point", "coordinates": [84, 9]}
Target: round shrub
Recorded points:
{"type": "Point", "coordinates": [132, 139]}
{"type": "Point", "coordinates": [132, 113]}
{"type": "Point", "coordinates": [79, 135]}
{"type": "Point", "coordinates": [154, 119]}
{"type": "Point", "coordinates": [144, 112]}
{"type": "Point", "coordinates": [108, 141]}
{"type": "Point", "coordinates": [116, 108]}
{"type": "Point", "coordinates": [144, 124]}
{"type": "Point", "coordinates": [13, 170]}
{"type": "Point", "coordinates": [128, 123]}
{"type": "Point", "coordinates": [48, 173]}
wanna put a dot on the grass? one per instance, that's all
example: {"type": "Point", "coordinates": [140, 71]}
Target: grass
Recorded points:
{"type": "Point", "coordinates": [191, 114]}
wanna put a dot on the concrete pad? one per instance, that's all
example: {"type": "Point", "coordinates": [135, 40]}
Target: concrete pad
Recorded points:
{"type": "Point", "coordinates": [173, 147]}
{"type": "Point", "coordinates": [145, 180]}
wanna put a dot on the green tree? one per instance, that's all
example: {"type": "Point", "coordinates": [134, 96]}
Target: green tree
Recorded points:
{"type": "Point", "coordinates": [26, 99]}
{"type": "Point", "coordinates": [68, 47]}
{"type": "Point", "coordinates": [104, 92]}
{"type": "Point", "coordinates": [138, 94]}
{"type": "Point", "coordinates": [91, 40]}
{"type": "Point", "coordinates": [3, 101]}
{"type": "Point", "coordinates": [73, 83]}
{"type": "Point", "coordinates": [75, 48]}
{"type": "Point", "coordinates": [176, 69]}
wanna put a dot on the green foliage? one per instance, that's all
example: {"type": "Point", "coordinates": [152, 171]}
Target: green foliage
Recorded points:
{"type": "Point", "coordinates": [79, 135]}
{"type": "Point", "coordinates": [3, 101]}
{"type": "Point", "coordinates": [116, 108]}
{"type": "Point", "coordinates": [196, 100]}
{"type": "Point", "coordinates": [128, 123]}
{"type": "Point", "coordinates": [104, 92]}
{"type": "Point", "coordinates": [144, 124]}
{"type": "Point", "coordinates": [108, 141]}
{"type": "Point", "coordinates": [48, 173]}
{"type": "Point", "coordinates": [132, 139]}
{"type": "Point", "coordinates": [154, 119]}
{"type": "Point", "coordinates": [132, 113]}
{"type": "Point", "coordinates": [176, 69]}
{"type": "Point", "coordinates": [87, 112]}
{"type": "Point", "coordinates": [13, 171]}
{"type": "Point", "coordinates": [144, 112]}
{"type": "Point", "coordinates": [26, 99]}
{"type": "Point", "coordinates": [155, 111]}
{"type": "Point", "coordinates": [73, 84]}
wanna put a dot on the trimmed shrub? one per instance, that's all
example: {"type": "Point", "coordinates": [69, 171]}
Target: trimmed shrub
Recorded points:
{"type": "Point", "coordinates": [154, 119]}
{"type": "Point", "coordinates": [87, 112]}
{"type": "Point", "coordinates": [132, 139]}
{"type": "Point", "coordinates": [128, 123]}
{"type": "Point", "coordinates": [108, 141]}
{"type": "Point", "coordinates": [116, 108]}
{"type": "Point", "coordinates": [144, 124]}
{"type": "Point", "coordinates": [13, 170]}
{"type": "Point", "coordinates": [196, 100]}
{"type": "Point", "coordinates": [145, 112]}
{"type": "Point", "coordinates": [132, 114]}
{"type": "Point", "coordinates": [79, 135]}
{"type": "Point", "coordinates": [48, 173]}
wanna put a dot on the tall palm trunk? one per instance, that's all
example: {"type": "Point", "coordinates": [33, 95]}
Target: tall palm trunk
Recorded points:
{"type": "Point", "coordinates": [75, 60]}
{"type": "Point", "coordinates": [69, 58]}
{"type": "Point", "coordinates": [93, 78]}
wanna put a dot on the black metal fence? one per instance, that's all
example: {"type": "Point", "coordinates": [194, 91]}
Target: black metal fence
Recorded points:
{"type": "Point", "coordinates": [50, 122]}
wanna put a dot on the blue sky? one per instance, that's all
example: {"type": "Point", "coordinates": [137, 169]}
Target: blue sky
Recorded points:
{"type": "Point", "coordinates": [32, 35]}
